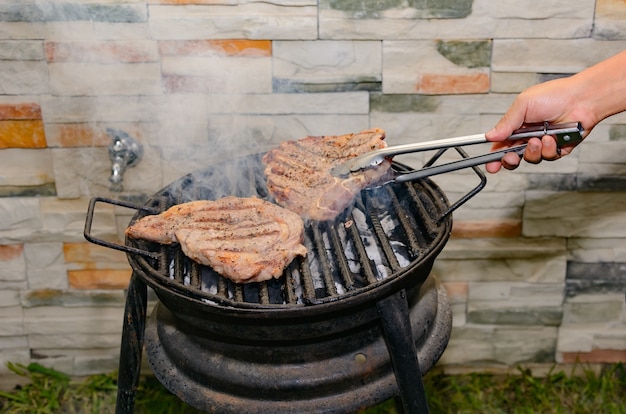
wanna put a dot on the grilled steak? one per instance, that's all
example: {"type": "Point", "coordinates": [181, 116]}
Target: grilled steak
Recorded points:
{"type": "Point", "coordinates": [299, 175]}
{"type": "Point", "coordinates": [243, 239]}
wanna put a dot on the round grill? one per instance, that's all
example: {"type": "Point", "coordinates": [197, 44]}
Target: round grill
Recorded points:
{"type": "Point", "coordinates": [372, 248]}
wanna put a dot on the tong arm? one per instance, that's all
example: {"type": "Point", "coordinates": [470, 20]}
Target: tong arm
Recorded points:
{"type": "Point", "coordinates": [566, 134]}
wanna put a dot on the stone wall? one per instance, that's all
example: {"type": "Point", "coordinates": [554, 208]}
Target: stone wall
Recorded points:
{"type": "Point", "coordinates": [536, 268]}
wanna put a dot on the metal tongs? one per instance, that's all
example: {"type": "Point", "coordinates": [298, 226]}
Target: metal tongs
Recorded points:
{"type": "Point", "coordinates": [566, 134]}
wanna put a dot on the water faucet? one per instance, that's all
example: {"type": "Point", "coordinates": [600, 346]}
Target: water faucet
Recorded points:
{"type": "Point", "coordinates": [124, 152]}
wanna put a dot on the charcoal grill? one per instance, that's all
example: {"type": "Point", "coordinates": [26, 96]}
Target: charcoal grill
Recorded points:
{"type": "Point", "coordinates": [356, 322]}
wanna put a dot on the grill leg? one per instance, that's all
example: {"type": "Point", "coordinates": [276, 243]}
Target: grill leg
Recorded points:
{"type": "Point", "coordinates": [132, 345]}
{"type": "Point", "coordinates": [394, 314]}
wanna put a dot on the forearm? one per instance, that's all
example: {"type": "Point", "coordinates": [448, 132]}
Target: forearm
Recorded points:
{"type": "Point", "coordinates": [601, 89]}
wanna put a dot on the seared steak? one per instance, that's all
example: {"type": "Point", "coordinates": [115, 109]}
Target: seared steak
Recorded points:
{"type": "Point", "coordinates": [299, 175]}
{"type": "Point", "coordinates": [243, 239]}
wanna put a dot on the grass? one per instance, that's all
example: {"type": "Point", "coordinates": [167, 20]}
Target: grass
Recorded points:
{"type": "Point", "coordinates": [581, 391]}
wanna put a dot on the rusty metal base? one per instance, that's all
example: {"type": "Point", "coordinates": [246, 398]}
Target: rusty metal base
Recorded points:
{"type": "Point", "coordinates": [337, 374]}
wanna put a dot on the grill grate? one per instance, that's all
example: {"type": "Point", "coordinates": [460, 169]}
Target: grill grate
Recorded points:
{"type": "Point", "coordinates": [387, 230]}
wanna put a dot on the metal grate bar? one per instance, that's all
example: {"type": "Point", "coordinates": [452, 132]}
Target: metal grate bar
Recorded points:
{"type": "Point", "coordinates": [179, 266]}
{"type": "Point", "coordinates": [308, 290]}
{"type": "Point", "coordinates": [341, 260]}
{"type": "Point", "coordinates": [383, 241]}
{"type": "Point", "coordinates": [366, 265]}
{"type": "Point", "coordinates": [324, 262]}
{"type": "Point", "coordinates": [195, 278]}
{"type": "Point", "coordinates": [415, 240]}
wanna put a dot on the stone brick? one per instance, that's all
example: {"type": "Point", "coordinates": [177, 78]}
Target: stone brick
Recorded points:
{"type": "Point", "coordinates": [425, 70]}
{"type": "Point", "coordinates": [217, 75]}
{"type": "Point", "coordinates": [483, 229]}
{"type": "Point", "coordinates": [609, 20]}
{"type": "Point", "coordinates": [594, 308]}
{"type": "Point", "coordinates": [416, 9]}
{"type": "Point", "coordinates": [21, 50]}
{"type": "Point", "coordinates": [503, 82]}
{"type": "Point", "coordinates": [12, 321]}
{"type": "Point", "coordinates": [597, 250]}
{"type": "Point", "coordinates": [529, 55]}
{"type": "Point", "coordinates": [507, 249]}
{"type": "Point", "coordinates": [23, 30]}
{"type": "Point", "coordinates": [18, 216]}
{"type": "Point", "coordinates": [65, 221]}
{"type": "Point", "coordinates": [403, 103]}
{"type": "Point", "coordinates": [9, 297]}
{"type": "Point", "coordinates": [66, 321]}
{"type": "Point", "coordinates": [99, 279]}
{"type": "Point", "coordinates": [23, 78]}
{"type": "Point", "coordinates": [574, 214]}
{"type": "Point", "coordinates": [618, 133]}
{"type": "Point", "coordinates": [515, 303]}
{"type": "Point", "coordinates": [327, 62]}
{"type": "Point", "coordinates": [70, 78]}
{"type": "Point", "coordinates": [39, 12]}
{"type": "Point", "coordinates": [280, 104]}
{"type": "Point", "coordinates": [73, 298]}
{"type": "Point", "coordinates": [502, 345]}
{"type": "Point", "coordinates": [597, 278]}
{"type": "Point", "coordinates": [519, 19]}
{"type": "Point", "coordinates": [45, 268]}
{"type": "Point", "coordinates": [241, 21]}
{"type": "Point", "coordinates": [75, 340]}
{"type": "Point", "coordinates": [535, 270]}
{"type": "Point", "coordinates": [108, 52]}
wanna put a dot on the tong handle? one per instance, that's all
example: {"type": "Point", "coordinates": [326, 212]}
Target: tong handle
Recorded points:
{"type": "Point", "coordinates": [566, 134]}
{"type": "Point", "coordinates": [460, 164]}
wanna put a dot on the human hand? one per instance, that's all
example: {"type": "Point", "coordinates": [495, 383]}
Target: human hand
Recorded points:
{"type": "Point", "coordinates": [553, 101]}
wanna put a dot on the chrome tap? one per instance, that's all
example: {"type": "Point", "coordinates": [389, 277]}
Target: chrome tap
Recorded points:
{"type": "Point", "coordinates": [124, 152]}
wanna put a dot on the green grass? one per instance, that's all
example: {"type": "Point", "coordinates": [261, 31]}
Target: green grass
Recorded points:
{"type": "Point", "coordinates": [581, 391]}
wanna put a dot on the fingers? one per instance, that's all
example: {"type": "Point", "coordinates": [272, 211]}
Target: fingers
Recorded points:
{"type": "Point", "coordinates": [533, 153]}
{"type": "Point", "coordinates": [536, 151]}
{"type": "Point", "coordinates": [549, 149]}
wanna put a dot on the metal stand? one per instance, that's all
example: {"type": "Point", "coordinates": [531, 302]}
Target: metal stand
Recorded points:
{"type": "Point", "coordinates": [132, 345]}
{"type": "Point", "coordinates": [394, 315]}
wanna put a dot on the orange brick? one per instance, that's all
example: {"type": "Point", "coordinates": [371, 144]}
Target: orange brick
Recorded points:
{"type": "Point", "coordinates": [25, 111]}
{"type": "Point", "coordinates": [456, 290]}
{"type": "Point", "coordinates": [98, 279]}
{"type": "Point", "coordinates": [595, 356]}
{"type": "Point", "coordinates": [11, 252]}
{"type": "Point", "coordinates": [77, 135]}
{"type": "Point", "coordinates": [99, 52]}
{"type": "Point", "coordinates": [433, 83]}
{"type": "Point", "coordinates": [252, 48]}
{"type": "Point", "coordinates": [22, 134]}
{"type": "Point", "coordinates": [482, 229]}
{"type": "Point", "coordinates": [89, 253]}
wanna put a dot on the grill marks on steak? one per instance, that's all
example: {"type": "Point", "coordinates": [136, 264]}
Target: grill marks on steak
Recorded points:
{"type": "Point", "coordinates": [298, 173]}
{"type": "Point", "coordinates": [243, 239]}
